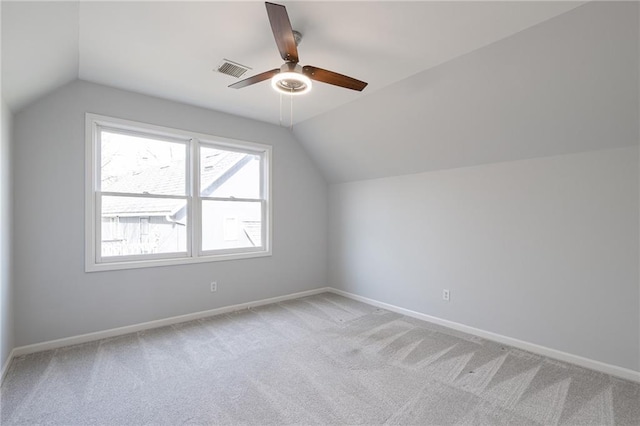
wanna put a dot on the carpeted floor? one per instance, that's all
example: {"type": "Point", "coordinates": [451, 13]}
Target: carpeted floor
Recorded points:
{"type": "Point", "coordinates": [318, 360]}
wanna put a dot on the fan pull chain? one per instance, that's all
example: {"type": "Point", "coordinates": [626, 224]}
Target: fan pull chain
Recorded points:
{"type": "Point", "coordinates": [291, 110]}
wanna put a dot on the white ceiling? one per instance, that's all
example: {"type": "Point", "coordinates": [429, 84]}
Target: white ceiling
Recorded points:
{"type": "Point", "coordinates": [170, 49]}
{"type": "Point", "coordinates": [567, 85]}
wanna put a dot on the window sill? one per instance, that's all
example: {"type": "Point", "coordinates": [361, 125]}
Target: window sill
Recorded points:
{"type": "Point", "coordinates": [153, 263]}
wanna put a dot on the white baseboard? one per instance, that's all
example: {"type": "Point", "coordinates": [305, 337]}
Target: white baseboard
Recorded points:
{"type": "Point", "coordinates": [591, 364]}
{"type": "Point", "coordinates": [7, 363]}
{"type": "Point", "coordinates": [520, 344]}
{"type": "Point", "coordinates": [90, 337]}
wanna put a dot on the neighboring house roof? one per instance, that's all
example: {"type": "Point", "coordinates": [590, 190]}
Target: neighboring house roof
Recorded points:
{"type": "Point", "coordinates": [216, 169]}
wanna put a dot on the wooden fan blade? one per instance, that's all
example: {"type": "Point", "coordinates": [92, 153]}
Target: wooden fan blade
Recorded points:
{"type": "Point", "coordinates": [255, 79]}
{"type": "Point", "coordinates": [334, 78]}
{"type": "Point", "coordinates": [282, 31]}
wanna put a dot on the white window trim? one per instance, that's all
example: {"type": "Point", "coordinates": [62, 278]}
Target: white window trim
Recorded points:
{"type": "Point", "coordinates": [193, 139]}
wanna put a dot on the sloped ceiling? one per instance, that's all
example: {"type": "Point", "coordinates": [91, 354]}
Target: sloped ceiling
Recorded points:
{"type": "Point", "coordinates": [567, 85]}
{"type": "Point", "coordinates": [171, 49]}
{"type": "Point", "coordinates": [39, 49]}
{"type": "Point", "coordinates": [450, 83]}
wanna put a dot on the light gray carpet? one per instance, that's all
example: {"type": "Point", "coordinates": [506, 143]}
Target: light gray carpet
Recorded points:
{"type": "Point", "coordinates": [318, 360]}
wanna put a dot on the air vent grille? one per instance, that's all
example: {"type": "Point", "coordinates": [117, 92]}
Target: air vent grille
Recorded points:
{"type": "Point", "coordinates": [233, 69]}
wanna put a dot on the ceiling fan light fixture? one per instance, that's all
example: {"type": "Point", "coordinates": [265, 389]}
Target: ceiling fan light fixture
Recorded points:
{"type": "Point", "coordinates": [293, 79]}
{"type": "Point", "coordinates": [291, 83]}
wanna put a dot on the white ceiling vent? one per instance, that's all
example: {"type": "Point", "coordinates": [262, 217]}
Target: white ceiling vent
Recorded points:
{"type": "Point", "coordinates": [232, 68]}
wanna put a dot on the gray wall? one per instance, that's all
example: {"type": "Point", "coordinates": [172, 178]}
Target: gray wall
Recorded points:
{"type": "Point", "coordinates": [55, 298]}
{"type": "Point", "coordinates": [6, 283]}
{"type": "Point", "coordinates": [541, 242]}
{"type": "Point", "coordinates": [542, 250]}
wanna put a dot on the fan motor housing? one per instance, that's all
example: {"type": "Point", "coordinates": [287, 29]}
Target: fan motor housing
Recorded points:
{"type": "Point", "coordinates": [291, 80]}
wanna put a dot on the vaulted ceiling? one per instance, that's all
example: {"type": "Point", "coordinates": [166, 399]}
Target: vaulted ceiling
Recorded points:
{"type": "Point", "coordinates": [450, 83]}
{"type": "Point", "coordinates": [171, 49]}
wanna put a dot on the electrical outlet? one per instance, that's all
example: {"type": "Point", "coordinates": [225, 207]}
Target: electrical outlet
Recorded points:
{"type": "Point", "coordinates": [445, 295]}
{"type": "Point", "coordinates": [214, 286]}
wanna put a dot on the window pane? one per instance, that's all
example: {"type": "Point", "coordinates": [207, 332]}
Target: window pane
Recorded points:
{"type": "Point", "coordinates": [228, 174]}
{"type": "Point", "coordinates": [139, 165]}
{"type": "Point", "coordinates": [137, 225]}
{"type": "Point", "coordinates": [231, 224]}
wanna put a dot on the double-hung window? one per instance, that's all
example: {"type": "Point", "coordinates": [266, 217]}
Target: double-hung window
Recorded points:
{"type": "Point", "coordinates": [159, 196]}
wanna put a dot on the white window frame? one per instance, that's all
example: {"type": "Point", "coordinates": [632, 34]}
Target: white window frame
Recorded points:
{"type": "Point", "coordinates": [194, 253]}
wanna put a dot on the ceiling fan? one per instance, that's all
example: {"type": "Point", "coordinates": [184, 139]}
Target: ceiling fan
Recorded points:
{"type": "Point", "coordinates": [291, 78]}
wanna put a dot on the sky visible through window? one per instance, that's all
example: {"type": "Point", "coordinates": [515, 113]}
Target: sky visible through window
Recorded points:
{"type": "Point", "coordinates": [142, 225]}
{"type": "Point", "coordinates": [163, 196]}
{"type": "Point", "coordinates": [146, 222]}
{"type": "Point", "coordinates": [123, 157]}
